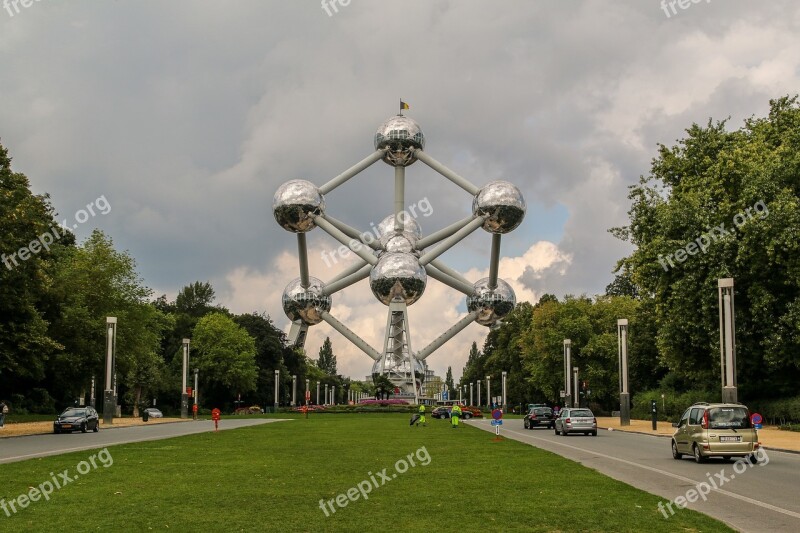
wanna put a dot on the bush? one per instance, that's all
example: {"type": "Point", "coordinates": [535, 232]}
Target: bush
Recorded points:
{"type": "Point", "coordinates": [778, 412]}
{"type": "Point", "coordinates": [673, 404]}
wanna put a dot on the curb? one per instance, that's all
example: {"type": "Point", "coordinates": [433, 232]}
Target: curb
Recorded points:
{"type": "Point", "coordinates": [771, 448]}
{"type": "Point", "coordinates": [102, 428]}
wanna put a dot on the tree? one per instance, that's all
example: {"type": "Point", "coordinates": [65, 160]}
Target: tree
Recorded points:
{"type": "Point", "coordinates": [448, 381]}
{"type": "Point", "coordinates": [383, 386]}
{"type": "Point", "coordinates": [723, 204]}
{"type": "Point", "coordinates": [327, 360]}
{"type": "Point", "coordinates": [225, 355]}
{"type": "Point", "coordinates": [26, 304]}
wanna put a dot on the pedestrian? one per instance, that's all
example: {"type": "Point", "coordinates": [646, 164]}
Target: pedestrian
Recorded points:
{"type": "Point", "coordinates": [3, 413]}
{"type": "Point", "coordinates": [455, 414]}
{"type": "Point", "coordinates": [421, 419]}
{"type": "Point", "coordinates": [215, 413]}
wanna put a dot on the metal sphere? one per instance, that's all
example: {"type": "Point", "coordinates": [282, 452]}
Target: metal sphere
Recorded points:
{"type": "Point", "coordinates": [402, 243]}
{"type": "Point", "coordinates": [398, 277]}
{"type": "Point", "coordinates": [502, 203]}
{"type": "Point", "coordinates": [402, 136]}
{"type": "Point", "coordinates": [410, 225]}
{"type": "Point", "coordinates": [294, 203]}
{"type": "Point", "coordinates": [492, 305]}
{"type": "Point", "coordinates": [305, 304]}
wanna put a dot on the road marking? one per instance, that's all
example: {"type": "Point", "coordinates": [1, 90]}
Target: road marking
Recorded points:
{"type": "Point", "coordinates": [665, 473]}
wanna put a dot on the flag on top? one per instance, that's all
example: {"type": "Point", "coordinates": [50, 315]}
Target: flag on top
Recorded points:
{"type": "Point", "coordinates": [403, 105]}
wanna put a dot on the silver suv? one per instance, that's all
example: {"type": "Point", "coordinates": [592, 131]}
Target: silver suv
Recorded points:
{"type": "Point", "coordinates": [715, 430]}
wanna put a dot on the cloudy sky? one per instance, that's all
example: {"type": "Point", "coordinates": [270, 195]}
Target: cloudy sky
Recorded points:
{"type": "Point", "coordinates": [187, 115]}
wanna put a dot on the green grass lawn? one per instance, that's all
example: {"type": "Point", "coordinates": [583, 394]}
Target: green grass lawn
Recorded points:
{"type": "Point", "coordinates": [272, 477]}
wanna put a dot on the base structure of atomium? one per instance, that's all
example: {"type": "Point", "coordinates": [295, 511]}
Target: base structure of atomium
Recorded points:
{"type": "Point", "coordinates": [399, 262]}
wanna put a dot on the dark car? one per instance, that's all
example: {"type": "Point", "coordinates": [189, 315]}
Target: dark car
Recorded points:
{"type": "Point", "coordinates": [443, 411]}
{"type": "Point", "coordinates": [539, 417]}
{"type": "Point", "coordinates": [74, 418]}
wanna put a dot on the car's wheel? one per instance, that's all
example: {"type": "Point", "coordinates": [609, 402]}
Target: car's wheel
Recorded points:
{"type": "Point", "coordinates": [96, 427]}
{"type": "Point", "coordinates": [698, 456]}
{"type": "Point", "coordinates": [563, 432]}
{"type": "Point", "coordinates": [84, 429]}
{"type": "Point", "coordinates": [556, 430]}
{"type": "Point", "coordinates": [56, 431]}
{"type": "Point", "coordinates": [675, 453]}
{"type": "Point", "coordinates": [594, 433]}
{"type": "Point", "coordinates": [752, 458]}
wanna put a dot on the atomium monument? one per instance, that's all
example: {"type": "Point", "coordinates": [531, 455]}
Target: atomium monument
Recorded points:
{"type": "Point", "coordinates": [399, 262]}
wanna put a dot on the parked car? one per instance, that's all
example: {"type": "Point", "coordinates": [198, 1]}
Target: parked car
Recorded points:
{"type": "Point", "coordinates": [73, 418]}
{"type": "Point", "coordinates": [152, 412]}
{"type": "Point", "coordinates": [443, 411]}
{"type": "Point", "coordinates": [576, 420]}
{"type": "Point", "coordinates": [715, 430]}
{"type": "Point", "coordinates": [539, 417]}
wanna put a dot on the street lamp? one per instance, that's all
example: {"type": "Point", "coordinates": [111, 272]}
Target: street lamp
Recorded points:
{"type": "Point", "coordinates": [727, 340]}
{"type": "Point", "coordinates": [489, 391]}
{"type": "Point", "coordinates": [294, 390]}
{"type": "Point", "coordinates": [567, 367]}
{"type": "Point", "coordinates": [109, 406]}
{"type": "Point", "coordinates": [577, 395]}
{"type": "Point", "coordinates": [184, 378]}
{"type": "Point", "coordinates": [624, 393]}
{"type": "Point", "coordinates": [503, 403]}
{"type": "Point", "coordinates": [327, 398]}
{"type": "Point", "coordinates": [317, 392]}
{"type": "Point", "coordinates": [471, 387]}
{"type": "Point", "coordinates": [196, 394]}
{"type": "Point", "coordinates": [277, 385]}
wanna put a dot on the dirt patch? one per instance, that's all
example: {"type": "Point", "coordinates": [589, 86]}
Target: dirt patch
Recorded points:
{"type": "Point", "coordinates": [771, 436]}
{"type": "Point", "coordinates": [38, 428]}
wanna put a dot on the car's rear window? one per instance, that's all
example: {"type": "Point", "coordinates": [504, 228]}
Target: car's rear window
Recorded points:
{"type": "Point", "coordinates": [728, 417]}
{"type": "Point", "coordinates": [580, 412]}
{"type": "Point", "coordinates": [543, 411]}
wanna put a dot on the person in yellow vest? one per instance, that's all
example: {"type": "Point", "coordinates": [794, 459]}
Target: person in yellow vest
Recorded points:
{"type": "Point", "coordinates": [422, 416]}
{"type": "Point", "coordinates": [455, 414]}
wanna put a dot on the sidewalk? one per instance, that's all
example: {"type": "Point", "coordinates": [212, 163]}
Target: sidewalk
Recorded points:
{"type": "Point", "coordinates": [771, 437]}
{"type": "Point", "coordinates": [40, 428]}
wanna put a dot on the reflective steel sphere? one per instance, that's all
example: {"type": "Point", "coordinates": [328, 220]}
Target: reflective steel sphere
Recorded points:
{"type": "Point", "coordinates": [410, 225]}
{"type": "Point", "coordinates": [502, 202]}
{"type": "Point", "coordinates": [294, 203]}
{"type": "Point", "coordinates": [492, 305]}
{"type": "Point", "coordinates": [402, 136]}
{"type": "Point", "coordinates": [399, 242]}
{"type": "Point", "coordinates": [305, 304]}
{"type": "Point", "coordinates": [397, 277]}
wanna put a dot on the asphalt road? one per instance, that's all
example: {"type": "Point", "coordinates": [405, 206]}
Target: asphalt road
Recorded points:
{"type": "Point", "coordinates": [21, 448]}
{"type": "Point", "coordinates": [756, 498]}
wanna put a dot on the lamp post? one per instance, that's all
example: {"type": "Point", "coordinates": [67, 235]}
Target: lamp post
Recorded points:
{"type": "Point", "coordinates": [478, 384]}
{"type": "Point", "coordinates": [471, 387]}
{"type": "Point", "coordinates": [624, 393]}
{"type": "Point", "coordinates": [489, 392]}
{"type": "Point", "coordinates": [317, 392]}
{"type": "Point", "coordinates": [327, 398]}
{"type": "Point", "coordinates": [308, 393]}
{"type": "Point", "coordinates": [577, 395]}
{"type": "Point", "coordinates": [503, 403]}
{"type": "Point", "coordinates": [196, 393]}
{"type": "Point", "coordinates": [567, 367]}
{"type": "Point", "coordinates": [184, 378]}
{"type": "Point", "coordinates": [333, 394]}
{"type": "Point", "coordinates": [108, 393]}
{"type": "Point", "coordinates": [294, 390]}
{"type": "Point", "coordinates": [277, 385]}
{"type": "Point", "coordinates": [727, 341]}
{"type": "Point", "coordinates": [91, 397]}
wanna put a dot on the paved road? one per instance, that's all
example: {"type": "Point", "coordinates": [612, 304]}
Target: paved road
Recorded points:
{"type": "Point", "coordinates": [759, 498]}
{"type": "Point", "coordinates": [21, 448]}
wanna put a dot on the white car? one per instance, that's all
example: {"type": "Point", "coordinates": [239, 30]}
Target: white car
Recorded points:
{"type": "Point", "coordinates": [576, 420]}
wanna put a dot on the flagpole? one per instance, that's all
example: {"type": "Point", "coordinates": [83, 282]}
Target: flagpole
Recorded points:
{"type": "Point", "coordinates": [401, 107]}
